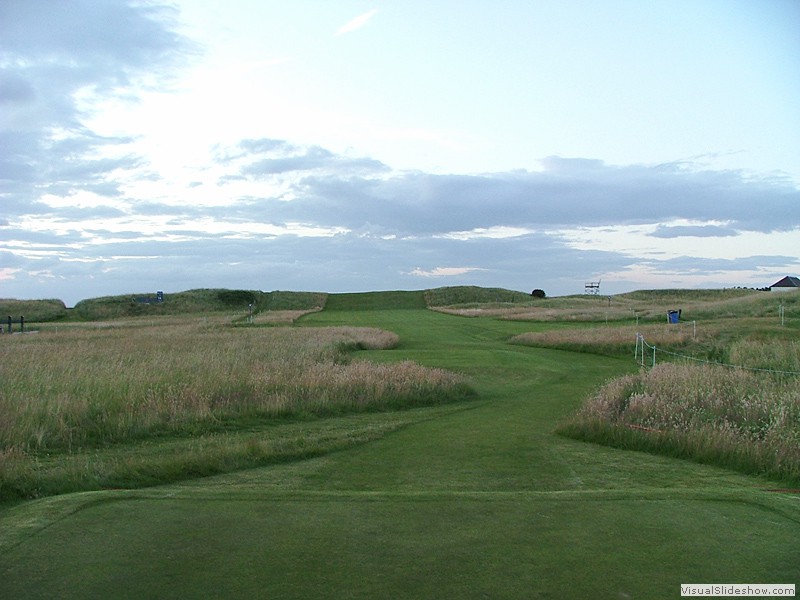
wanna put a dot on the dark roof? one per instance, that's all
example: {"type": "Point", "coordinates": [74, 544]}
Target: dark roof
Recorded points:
{"type": "Point", "coordinates": [787, 282]}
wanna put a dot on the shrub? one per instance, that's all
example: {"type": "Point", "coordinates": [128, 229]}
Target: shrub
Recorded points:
{"type": "Point", "coordinates": [236, 298]}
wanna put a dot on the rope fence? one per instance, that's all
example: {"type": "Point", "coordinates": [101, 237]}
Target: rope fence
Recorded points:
{"type": "Point", "coordinates": [643, 347]}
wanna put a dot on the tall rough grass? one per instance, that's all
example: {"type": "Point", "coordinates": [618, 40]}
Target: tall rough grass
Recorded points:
{"type": "Point", "coordinates": [742, 419]}
{"type": "Point", "coordinates": [635, 307]}
{"type": "Point", "coordinates": [768, 355]}
{"type": "Point", "coordinates": [77, 389]}
{"type": "Point", "coordinates": [609, 340]}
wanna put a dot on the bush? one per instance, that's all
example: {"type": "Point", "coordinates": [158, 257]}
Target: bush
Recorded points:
{"type": "Point", "coordinates": [237, 298]}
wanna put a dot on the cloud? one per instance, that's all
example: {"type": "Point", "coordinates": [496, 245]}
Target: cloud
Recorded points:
{"type": "Point", "coordinates": [249, 147]}
{"type": "Point", "coordinates": [86, 38]}
{"type": "Point", "coordinates": [342, 224]}
{"type": "Point", "coordinates": [575, 193]}
{"type": "Point", "coordinates": [444, 271]}
{"type": "Point", "coordinates": [357, 23]}
{"type": "Point", "coordinates": [266, 157]}
{"type": "Point", "coordinates": [7, 273]}
{"type": "Point", "coordinates": [312, 158]}
{"type": "Point", "coordinates": [675, 231]}
{"type": "Point", "coordinates": [59, 60]}
{"type": "Point", "coordinates": [698, 266]}
{"type": "Point", "coordinates": [15, 90]}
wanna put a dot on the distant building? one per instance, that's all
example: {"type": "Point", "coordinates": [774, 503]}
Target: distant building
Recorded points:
{"type": "Point", "coordinates": [786, 284]}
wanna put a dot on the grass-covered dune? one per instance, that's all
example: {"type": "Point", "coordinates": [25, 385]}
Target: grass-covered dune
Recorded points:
{"type": "Point", "coordinates": [177, 303]}
{"type": "Point", "coordinates": [231, 300]}
{"type": "Point", "coordinates": [469, 296]}
{"type": "Point", "coordinates": [645, 306]}
{"type": "Point", "coordinates": [194, 301]}
{"type": "Point", "coordinates": [32, 310]}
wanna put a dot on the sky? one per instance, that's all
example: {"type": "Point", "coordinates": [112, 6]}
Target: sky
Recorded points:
{"type": "Point", "coordinates": [397, 144]}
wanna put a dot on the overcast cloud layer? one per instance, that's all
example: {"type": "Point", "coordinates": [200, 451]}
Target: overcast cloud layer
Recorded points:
{"type": "Point", "coordinates": [87, 213]}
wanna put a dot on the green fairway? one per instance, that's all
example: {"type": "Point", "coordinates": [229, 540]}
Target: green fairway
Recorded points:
{"type": "Point", "coordinates": [475, 500]}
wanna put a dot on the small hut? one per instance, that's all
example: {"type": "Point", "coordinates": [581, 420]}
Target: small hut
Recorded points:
{"type": "Point", "coordinates": [786, 284]}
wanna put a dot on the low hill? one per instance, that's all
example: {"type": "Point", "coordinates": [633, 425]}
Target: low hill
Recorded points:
{"type": "Point", "coordinates": [470, 295]}
{"type": "Point", "coordinates": [376, 301]}
{"type": "Point", "coordinates": [713, 303]}
{"type": "Point", "coordinates": [639, 306]}
{"type": "Point", "coordinates": [32, 310]}
{"type": "Point", "coordinates": [194, 301]}
{"type": "Point", "coordinates": [467, 300]}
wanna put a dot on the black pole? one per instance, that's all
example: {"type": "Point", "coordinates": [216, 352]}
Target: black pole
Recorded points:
{"type": "Point", "coordinates": [22, 324]}
{"type": "Point", "coordinates": [9, 324]}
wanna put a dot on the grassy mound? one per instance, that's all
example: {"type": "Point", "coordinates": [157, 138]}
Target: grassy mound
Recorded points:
{"type": "Point", "coordinates": [194, 301]}
{"type": "Point", "coordinates": [393, 300]}
{"type": "Point", "coordinates": [32, 310]}
{"type": "Point", "coordinates": [673, 295]}
{"type": "Point", "coordinates": [648, 306]}
{"type": "Point", "coordinates": [471, 295]}
{"type": "Point", "coordinates": [279, 300]}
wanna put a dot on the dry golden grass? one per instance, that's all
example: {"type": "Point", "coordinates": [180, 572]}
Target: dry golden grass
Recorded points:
{"type": "Point", "coordinates": [90, 387]}
{"type": "Point", "coordinates": [639, 307]}
{"type": "Point", "coordinates": [580, 312]}
{"type": "Point", "coordinates": [742, 418]}
{"type": "Point", "coordinates": [281, 317]}
{"type": "Point", "coordinates": [656, 334]}
{"type": "Point", "coordinates": [768, 355]}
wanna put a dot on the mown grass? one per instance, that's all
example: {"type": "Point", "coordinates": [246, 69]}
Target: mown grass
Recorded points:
{"type": "Point", "coordinates": [231, 544]}
{"type": "Point", "coordinates": [398, 300]}
{"type": "Point", "coordinates": [70, 392]}
{"type": "Point", "coordinates": [165, 459]}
